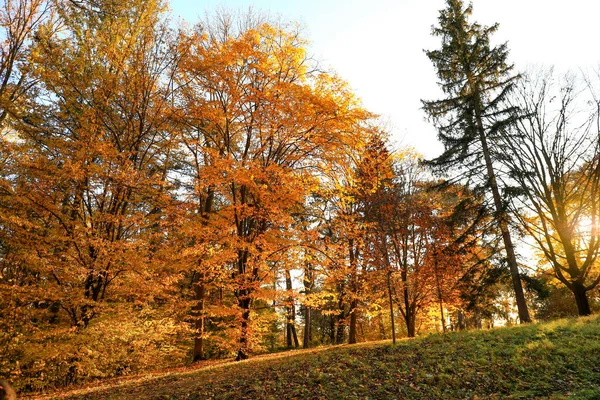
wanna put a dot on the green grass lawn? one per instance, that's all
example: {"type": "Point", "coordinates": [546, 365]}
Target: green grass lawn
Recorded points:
{"type": "Point", "coordinates": [555, 360]}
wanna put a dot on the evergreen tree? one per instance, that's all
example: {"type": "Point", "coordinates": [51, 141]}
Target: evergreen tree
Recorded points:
{"type": "Point", "coordinates": [476, 78]}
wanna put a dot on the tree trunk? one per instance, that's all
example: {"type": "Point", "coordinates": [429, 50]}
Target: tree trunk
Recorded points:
{"type": "Point", "coordinates": [332, 329]}
{"type": "Point", "coordinates": [243, 352]}
{"type": "Point", "coordinates": [341, 317]}
{"type": "Point", "coordinates": [583, 304]}
{"type": "Point", "coordinates": [295, 336]}
{"type": "Point", "coordinates": [340, 333]}
{"type": "Point", "coordinates": [244, 298]}
{"type": "Point", "coordinates": [307, 328]}
{"type": "Point", "coordinates": [409, 317]}
{"type": "Point", "coordinates": [353, 320]}
{"type": "Point", "coordinates": [199, 287]}
{"type": "Point", "coordinates": [354, 289]}
{"type": "Point", "coordinates": [440, 295]}
{"type": "Point", "coordinates": [288, 332]}
{"type": "Point", "coordinates": [442, 319]}
{"type": "Point", "coordinates": [461, 320]}
{"type": "Point", "coordinates": [291, 313]}
{"type": "Point", "coordinates": [389, 288]}
{"type": "Point", "coordinates": [291, 336]}
{"type": "Point", "coordinates": [308, 285]}
{"type": "Point", "coordinates": [410, 321]}
{"type": "Point", "coordinates": [198, 312]}
{"type": "Point", "coordinates": [477, 320]}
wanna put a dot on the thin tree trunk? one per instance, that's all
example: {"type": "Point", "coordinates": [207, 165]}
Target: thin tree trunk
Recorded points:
{"type": "Point", "coordinates": [291, 313]}
{"type": "Point", "coordinates": [442, 319]}
{"type": "Point", "coordinates": [340, 329]}
{"type": "Point", "coordinates": [308, 285]}
{"type": "Point", "coordinates": [199, 286]}
{"type": "Point", "coordinates": [440, 295]}
{"type": "Point", "coordinates": [243, 295]}
{"type": "Point", "coordinates": [511, 258]}
{"type": "Point", "coordinates": [408, 317]}
{"type": "Point", "coordinates": [354, 289]}
{"type": "Point", "coordinates": [389, 288]}
{"type": "Point", "coordinates": [307, 328]}
{"type": "Point", "coordinates": [200, 294]}
{"type": "Point", "coordinates": [340, 333]}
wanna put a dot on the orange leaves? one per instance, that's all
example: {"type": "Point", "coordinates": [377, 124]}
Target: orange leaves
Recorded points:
{"type": "Point", "coordinates": [258, 127]}
{"type": "Point", "coordinates": [147, 172]}
{"type": "Point", "coordinates": [90, 164]}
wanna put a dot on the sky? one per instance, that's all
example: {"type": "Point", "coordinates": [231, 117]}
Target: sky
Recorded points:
{"type": "Point", "coordinates": [377, 46]}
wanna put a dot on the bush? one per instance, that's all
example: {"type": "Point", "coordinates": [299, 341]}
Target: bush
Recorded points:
{"type": "Point", "coordinates": [116, 345]}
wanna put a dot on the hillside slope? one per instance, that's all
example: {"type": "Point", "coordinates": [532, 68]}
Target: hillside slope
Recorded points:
{"type": "Point", "coordinates": [556, 360]}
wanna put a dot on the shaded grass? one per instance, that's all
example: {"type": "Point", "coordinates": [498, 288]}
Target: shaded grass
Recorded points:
{"type": "Point", "coordinates": [555, 361]}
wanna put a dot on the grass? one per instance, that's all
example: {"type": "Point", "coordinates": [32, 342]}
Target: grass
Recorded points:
{"type": "Point", "coordinates": [556, 360]}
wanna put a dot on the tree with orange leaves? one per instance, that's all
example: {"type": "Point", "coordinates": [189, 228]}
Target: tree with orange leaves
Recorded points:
{"type": "Point", "coordinates": [425, 233]}
{"type": "Point", "coordinates": [92, 150]}
{"type": "Point", "coordinates": [267, 122]}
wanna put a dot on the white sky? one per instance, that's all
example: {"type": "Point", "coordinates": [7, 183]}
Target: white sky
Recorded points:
{"type": "Point", "coordinates": [377, 46]}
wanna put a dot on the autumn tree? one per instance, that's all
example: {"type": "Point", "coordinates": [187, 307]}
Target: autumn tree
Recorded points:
{"type": "Point", "coordinates": [476, 77]}
{"type": "Point", "coordinates": [456, 242]}
{"type": "Point", "coordinates": [319, 261]}
{"type": "Point", "coordinates": [375, 191]}
{"type": "Point", "coordinates": [92, 151]}
{"type": "Point", "coordinates": [18, 22]}
{"type": "Point", "coordinates": [406, 241]}
{"type": "Point", "coordinates": [268, 121]}
{"type": "Point", "coordinates": [355, 192]}
{"type": "Point", "coordinates": [311, 223]}
{"type": "Point", "coordinates": [89, 146]}
{"type": "Point", "coordinates": [554, 162]}
{"type": "Point", "coordinates": [349, 232]}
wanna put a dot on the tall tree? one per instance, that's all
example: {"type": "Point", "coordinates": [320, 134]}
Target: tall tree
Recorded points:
{"type": "Point", "coordinates": [375, 190]}
{"type": "Point", "coordinates": [554, 161]}
{"type": "Point", "coordinates": [407, 240]}
{"type": "Point", "coordinates": [92, 152]}
{"type": "Point", "coordinates": [268, 122]}
{"type": "Point", "coordinates": [476, 77]}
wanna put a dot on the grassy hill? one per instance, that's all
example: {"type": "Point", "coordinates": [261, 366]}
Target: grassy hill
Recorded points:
{"type": "Point", "coordinates": [555, 360]}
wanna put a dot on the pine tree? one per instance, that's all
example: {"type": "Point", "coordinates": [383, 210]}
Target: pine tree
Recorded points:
{"type": "Point", "coordinates": [476, 77]}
